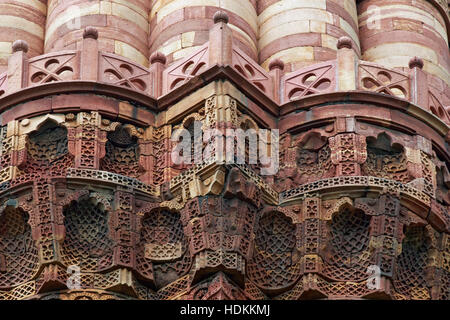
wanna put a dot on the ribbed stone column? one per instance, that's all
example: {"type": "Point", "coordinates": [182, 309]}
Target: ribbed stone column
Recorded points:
{"type": "Point", "coordinates": [393, 32]}
{"type": "Point", "coordinates": [179, 27]}
{"type": "Point", "coordinates": [122, 26]}
{"type": "Point", "coordinates": [25, 20]}
{"type": "Point", "coordinates": [304, 32]}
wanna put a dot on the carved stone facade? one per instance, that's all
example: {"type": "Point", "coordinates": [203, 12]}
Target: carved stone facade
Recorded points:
{"type": "Point", "coordinates": [88, 183]}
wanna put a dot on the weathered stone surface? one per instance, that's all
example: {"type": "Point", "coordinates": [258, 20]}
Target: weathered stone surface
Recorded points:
{"type": "Point", "coordinates": [92, 190]}
{"type": "Point", "coordinates": [393, 33]}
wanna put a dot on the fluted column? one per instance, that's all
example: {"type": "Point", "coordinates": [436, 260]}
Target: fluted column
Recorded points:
{"type": "Point", "coordinates": [23, 20]}
{"type": "Point", "coordinates": [393, 32]}
{"type": "Point", "coordinates": [122, 26]}
{"type": "Point", "coordinates": [304, 32]}
{"type": "Point", "coordinates": [179, 27]}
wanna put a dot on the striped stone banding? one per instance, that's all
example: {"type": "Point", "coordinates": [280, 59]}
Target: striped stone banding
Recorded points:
{"type": "Point", "coordinates": [122, 26]}
{"type": "Point", "coordinates": [404, 29]}
{"type": "Point", "coordinates": [179, 27]}
{"type": "Point", "coordinates": [304, 32]}
{"type": "Point", "coordinates": [21, 20]}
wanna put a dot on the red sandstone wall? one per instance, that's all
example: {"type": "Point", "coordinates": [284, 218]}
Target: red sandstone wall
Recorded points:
{"type": "Point", "coordinates": [357, 153]}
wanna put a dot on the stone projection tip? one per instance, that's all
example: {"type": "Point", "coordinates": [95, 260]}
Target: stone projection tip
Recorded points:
{"type": "Point", "coordinates": [90, 33]}
{"type": "Point", "coordinates": [220, 16]}
{"type": "Point", "coordinates": [20, 45]}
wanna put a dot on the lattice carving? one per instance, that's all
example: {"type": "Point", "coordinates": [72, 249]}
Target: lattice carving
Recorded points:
{"type": "Point", "coordinates": [321, 185]}
{"type": "Point", "coordinates": [161, 151]}
{"type": "Point", "coordinates": [308, 160]}
{"type": "Point", "coordinates": [48, 144]}
{"type": "Point", "coordinates": [162, 251]}
{"type": "Point", "coordinates": [348, 289]}
{"type": "Point", "coordinates": [210, 261]}
{"type": "Point", "coordinates": [347, 250]}
{"type": "Point", "coordinates": [390, 82]}
{"type": "Point", "coordinates": [97, 175]}
{"type": "Point", "coordinates": [348, 152]}
{"type": "Point", "coordinates": [22, 291]}
{"type": "Point", "coordinates": [409, 278]}
{"type": "Point", "coordinates": [314, 163]}
{"type": "Point", "coordinates": [18, 251]}
{"type": "Point", "coordinates": [46, 154]}
{"type": "Point", "coordinates": [5, 148]}
{"type": "Point", "coordinates": [181, 72]}
{"type": "Point", "coordinates": [216, 223]}
{"type": "Point", "coordinates": [86, 142]}
{"type": "Point", "coordinates": [320, 78]}
{"type": "Point", "coordinates": [352, 191]}
{"type": "Point", "coordinates": [253, 292]}
{"type": "Point", "coordinates": [251, 71]}
{"type": "Point", "coordinates": [443, 184]}
{"type": "Point", "coordinates": [87, 243]}
{"type": "Point", "coordinates": [174, 289]}
{"type": "Point", "coordinates": [57, 67]}
{"type": "Point", "coordinates": [386, 160]}
{"type": "Point", "coordinates": [116, 70]}
{"type": "Point", "coordinates": [90, 295]}
{"type": "Point", "coordinates": [429, 173]}
{"type": "Point", "coordinates": [444, 292]}
{"type": "Point", "coordinates": [275, 264]}
{"type": "Point", "coordinates": [437, 108]}
{"type": "Point", "coordinates": [122, 153]}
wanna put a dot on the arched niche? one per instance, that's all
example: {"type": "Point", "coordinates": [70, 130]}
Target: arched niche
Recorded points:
{"type": "Point", "coordinates": [87, 243]}
{"type": "Point", "coordinates": [45, 153]}
{"type": "Point", "coordinates": [347, 252]}
{"type": "Point", "coordinates": [386, 159]}
{"type": "Point", "coordinates": [19, 259]}
{"type": "Point", "coordinates": [48, 142]}
{"type": "Point", "coordinates": [313, 157]}
{"type": "Point", "coordinates": [410, 279]}
{"type": "Point", "coordinates": [162, 254]}
{"type": "Point", "coordinates": [122, 152]}
{"type": "Point", "coordinates": [275, 264]}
